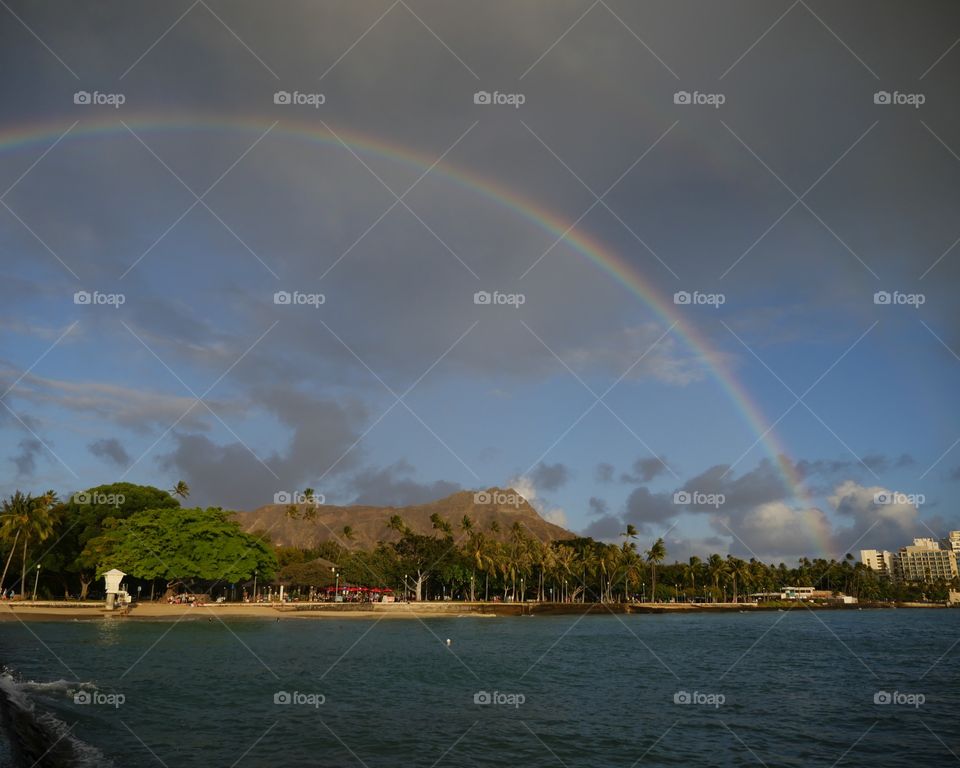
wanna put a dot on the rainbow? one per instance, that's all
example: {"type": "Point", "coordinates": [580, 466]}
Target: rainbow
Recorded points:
{"type": "Point", "coordinates": [604, 257]}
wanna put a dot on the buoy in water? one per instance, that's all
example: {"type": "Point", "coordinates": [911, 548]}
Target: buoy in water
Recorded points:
{"type": "Point", "coordinates": [449, 642]}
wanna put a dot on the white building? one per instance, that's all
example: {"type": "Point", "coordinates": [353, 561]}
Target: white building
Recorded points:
{"type": "Point", "coordinates": [877, 560]}
{"type": "Point", "coordinates": [925, 561]}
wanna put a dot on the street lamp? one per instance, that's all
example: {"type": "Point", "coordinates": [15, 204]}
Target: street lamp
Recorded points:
{"type": "Point", "coordinates": [254, 585]}
{"type": "Point", "coordinates": [139, 587]}
{"type": "Point", "coordinates": [36, 579]}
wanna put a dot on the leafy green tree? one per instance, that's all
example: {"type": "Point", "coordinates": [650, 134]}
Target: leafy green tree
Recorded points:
{"type": "Point", "coordinates": [87, 514]}
{"type": "Point", "coordinates": [186, 544]}
{"type": "Point", "coordinates": [421, 557]}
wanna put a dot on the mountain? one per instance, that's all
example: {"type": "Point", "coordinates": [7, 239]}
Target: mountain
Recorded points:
{"type": "Point", "coordinates": [316, 523]}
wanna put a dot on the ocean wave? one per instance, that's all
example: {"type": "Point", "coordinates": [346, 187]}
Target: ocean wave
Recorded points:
{"type": "Point", "coordinates": [36, 737]}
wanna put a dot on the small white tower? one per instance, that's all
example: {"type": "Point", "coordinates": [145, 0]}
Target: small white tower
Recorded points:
{"type": "Point", "coordinates": [113, 578]}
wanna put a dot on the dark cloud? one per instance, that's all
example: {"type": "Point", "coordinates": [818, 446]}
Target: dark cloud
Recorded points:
{"type": "Point", "coordinates": [549, 477]}
{"type": "Point", "coordinates": [111, 449]}
{"type": "Point", "coordinates": [392, 486]}
{"type": "Point", "coordinates": [26, 459]}
{"type": "Point", "coordinates": [598, 507]}
{"type": "Point", "coordinates": [644, 508]}
{"type": "Point", "coordinates": [604, 473]}
{"type": "Point", "coordinates": [606, 528]}
{"type": "Point", "coordinates": [323, 433]}
{"type": "Point", "coordinates": [644, 470]}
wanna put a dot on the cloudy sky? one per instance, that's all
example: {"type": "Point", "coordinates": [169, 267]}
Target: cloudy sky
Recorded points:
{"type": "Point", "coordinates": [171, 173]}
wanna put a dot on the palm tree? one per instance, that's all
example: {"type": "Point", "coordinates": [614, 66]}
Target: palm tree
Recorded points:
{"type": "Point", "coordinates": [14, 509]}
{"type": "Point", "coordinates": [738, 569]}
{"type": "Point", "coordinates": [693, 567]}
{"type": "Point", "coordinates": [629, 548]}
{"type": "Point", "coordinates": [33, 520]}
{"type": "Point", "coordinates": [655, 555]}
{"type": "Point", "coordinates": [181, 489]}
{"type": "Point", "coordinates": [717, 568]}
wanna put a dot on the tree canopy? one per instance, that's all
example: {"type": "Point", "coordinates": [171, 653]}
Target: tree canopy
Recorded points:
{"type": "Point", "coordinates": [182, 543]}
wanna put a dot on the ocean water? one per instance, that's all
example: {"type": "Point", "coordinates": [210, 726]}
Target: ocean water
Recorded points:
{"type": "Point", "coordinates": [793, 688]}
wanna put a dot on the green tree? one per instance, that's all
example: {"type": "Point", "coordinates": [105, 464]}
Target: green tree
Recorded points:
{"type": "Point", "coordinates": [182, 543]}
{"type": "Point", "coordinates": [628, 552]}
{"type": "Point", "coordinates": [655, 555]}
{"type": "Point", "coordinates": [88, 514]}
{"type": "Point", "coordinates": [30, 521]}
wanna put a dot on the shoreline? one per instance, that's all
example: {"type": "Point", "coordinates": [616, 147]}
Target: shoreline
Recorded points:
{"type": "Point", "coordinates": [90, 611]}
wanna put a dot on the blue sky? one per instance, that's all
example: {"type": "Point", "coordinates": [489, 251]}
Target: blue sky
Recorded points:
{"type": "Point", "coordinates": [796, 200]}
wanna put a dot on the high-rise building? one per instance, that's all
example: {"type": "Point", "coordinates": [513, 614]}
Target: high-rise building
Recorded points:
{"type": "Point", "coordinates": [925, 561]}
{"type": "Point", "coordinates": [952, 542]}
{"type": "Point", "coordinates": [877, 560]}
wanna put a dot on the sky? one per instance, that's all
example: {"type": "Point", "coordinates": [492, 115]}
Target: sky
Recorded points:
{"type": "Point", "coordinates": [690, 267]}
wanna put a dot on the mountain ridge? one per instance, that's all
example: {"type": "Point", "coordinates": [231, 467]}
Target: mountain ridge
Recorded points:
{"type": "Point", "coordinates": [307, 525]}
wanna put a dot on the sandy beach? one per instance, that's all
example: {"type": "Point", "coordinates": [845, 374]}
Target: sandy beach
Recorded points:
{"type": "Point", "coordinates": [89, 611]}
